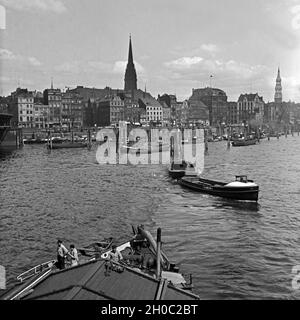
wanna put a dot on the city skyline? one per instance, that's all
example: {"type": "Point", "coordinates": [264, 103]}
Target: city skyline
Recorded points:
{"type": "Point", "coordinates": [240, 44]}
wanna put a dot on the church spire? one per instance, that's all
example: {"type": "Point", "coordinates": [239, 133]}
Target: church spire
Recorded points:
{"type": "Point", "coordinates": [130, 74]}
{"type": "Point", "coordinates": [130, 55]}
{"type": "Point", "coordinates": [278, 88]}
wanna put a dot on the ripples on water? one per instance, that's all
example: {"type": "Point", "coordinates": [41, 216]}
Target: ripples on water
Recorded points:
{"type": "Point", "coordinates": [234, 250]}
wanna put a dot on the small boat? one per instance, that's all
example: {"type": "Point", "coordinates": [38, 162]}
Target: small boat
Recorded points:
{"type": "Point", "coordinates": [34, 141]}
{"type": "Point", "coordinates": [95, 249]}
{"type": "Point", "coordinates": [177, 171]}
{"type": "Point", "coordinates": [240, 189]}
{"type": "Point", "coordinates": [146, 149]}
{"type": "Point", "coordinates": [244, 142]}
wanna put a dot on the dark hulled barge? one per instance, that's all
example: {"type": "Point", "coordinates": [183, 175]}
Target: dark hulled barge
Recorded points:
{"type": "Point", "coordinates": [241, 189]}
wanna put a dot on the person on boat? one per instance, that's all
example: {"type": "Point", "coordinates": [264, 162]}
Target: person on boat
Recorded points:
{"type": "Point", "coordinates": [61, 255]}
{"type": "Point", "coordinates": [73, 255]}
{"type": "Point", "coordinates": [115, 255]}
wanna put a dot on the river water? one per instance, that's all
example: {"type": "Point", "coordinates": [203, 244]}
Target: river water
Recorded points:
{"type": "Point", "coordinates": [234, 250]}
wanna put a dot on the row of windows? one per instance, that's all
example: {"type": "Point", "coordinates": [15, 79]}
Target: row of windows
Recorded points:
{"type": "Point", "coordinates": [41, 109]}
{"type": "Point", "coordinates": [154, 114]}
{"type": "Point", "coordinates": [26, 112]}
{"type": "Point", "coordinates": [55, 98]}
{"type": "Point", "coordinates": [25, 106]}
{"type": "Point", "coordinates": [22, 100]}
{"type": "Point", "coordinates": [118, 103]}
{"type": "Point", "coordinates": [153, 108]}
{"type": "Point", "coordinates": [153, 118]}
{"type": "Point", "coordinates": [26, 118]}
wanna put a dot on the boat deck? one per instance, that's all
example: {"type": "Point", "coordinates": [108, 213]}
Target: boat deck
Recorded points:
{"type": "Point", "coordinates": [95, 281]}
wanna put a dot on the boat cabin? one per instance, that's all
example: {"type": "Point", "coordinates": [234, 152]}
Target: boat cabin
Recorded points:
{"type": "Point", "coordinates": [241, 179]}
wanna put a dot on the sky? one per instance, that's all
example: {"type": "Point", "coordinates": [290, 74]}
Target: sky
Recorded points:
{"type": "Point", "coordinates": [177, 45]}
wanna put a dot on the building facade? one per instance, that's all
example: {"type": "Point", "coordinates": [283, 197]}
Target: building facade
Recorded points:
{"type": "Point", "coordinates": [154, 113]}
{"type": "Point", "coordinates": [166, 110]}
{"type": "Point", "coordinates": [72, 110]}
{"type": "Point", "coordinates": [250, 108]}
{"type": "Point", "coordinates": [117, 110]}
{"type": "Point", "coordinates": [215, 101]}
{"type": "Point", "coordinates": [21, 106]}
{"type": "Point", "coordinates": [53, 98]}
{"type": "Point", "coordinates": [232, 116]}
{"type": "Point", "coordinates": [41, 115]}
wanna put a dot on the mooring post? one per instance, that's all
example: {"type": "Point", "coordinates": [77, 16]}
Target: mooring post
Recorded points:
{"type": "Point", "coordinates": [17, 138]}
{"type": "Point", "coordinates": [158, 253]}
{"type": "Point", "coordinates": [21, 142]}
{"type": "Point", "coordinates": [205, 142]}
{"type": "Point", "coordinates": [89, 139]}
{"type": "Point", "coordinates": [228, 138]}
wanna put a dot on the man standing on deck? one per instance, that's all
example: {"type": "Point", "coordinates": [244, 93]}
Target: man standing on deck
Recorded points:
{"type": "Point", "coordinates": [73, 255]}
{"type": "Point", "coordinates": [61, 253]}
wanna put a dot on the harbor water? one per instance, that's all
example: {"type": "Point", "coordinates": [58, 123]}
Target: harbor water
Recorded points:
{"type": "Point", "coordinates": [234, 250]}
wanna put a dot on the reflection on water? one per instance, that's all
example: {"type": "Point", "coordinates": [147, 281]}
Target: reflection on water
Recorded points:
{"type": "Point", "coordinates": [239, 205]}
{"type": "Point", "coordinates": [233, 249]}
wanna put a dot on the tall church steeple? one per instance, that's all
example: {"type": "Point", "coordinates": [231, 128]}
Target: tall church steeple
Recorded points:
{"type": "Point", "coordinates": [130, 74]}
{"type": "Point", "coordinates": [278, 89]}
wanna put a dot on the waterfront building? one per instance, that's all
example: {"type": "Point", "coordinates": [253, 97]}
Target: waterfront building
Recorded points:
{"type": "Point", "coordinates": [53, 98]}
{"type": "Point", "coordinates": [131, 106]}
{"type": "Point", "coordinates": [72, 110]}
{"type": "Point", "coordinates": [154, 113]}
{"type": "Point", "coordinates": [117, 110]}
{"type": "Point", "coordinates": [21, 107]}
{"type": "Point", "coordinates": [232, 109]}
{"type": "Point", "coordinates": [107, 111]}
{"type": "Point", "coordinates": [250, 108]}
{"type": "Point", "coordinates": [171, 101]}
{"type": "Point", "coordinates": [41, 115]}
{"type": "Point", "coordinates": [166, 111]}
{"type": "Point", "coordinates": [271, 113]}
{"type": "Point", "coordinates": [215, 101]}
{"type": "Point", "coordinates": [4, 104]}
{"type": "Point", "coordinates": [197, 113]}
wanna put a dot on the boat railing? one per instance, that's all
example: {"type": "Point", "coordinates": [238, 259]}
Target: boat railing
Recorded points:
{"type": "Point", "coordinates": [36, 270]}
